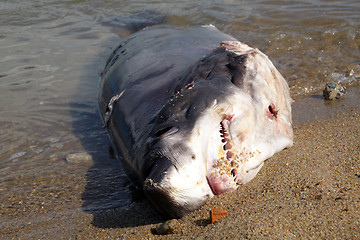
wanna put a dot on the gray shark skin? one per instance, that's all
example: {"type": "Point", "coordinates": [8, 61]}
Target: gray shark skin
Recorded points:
{"type": "Point", "coordinates": [192, 113]}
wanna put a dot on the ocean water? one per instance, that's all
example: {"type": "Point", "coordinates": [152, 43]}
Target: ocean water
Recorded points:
{"type": "Point", "coordinates": [53, 51]}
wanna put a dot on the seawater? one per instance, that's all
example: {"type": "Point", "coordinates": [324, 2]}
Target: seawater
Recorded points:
{"type": "Point", "coordinates": [52, 53]}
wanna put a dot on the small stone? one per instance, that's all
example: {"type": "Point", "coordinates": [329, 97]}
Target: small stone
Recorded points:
{"type": "Point", "coordinates": [333, 90]}
{"type": "Point", "coordinates": [216, 214]}
{"type": "Point", "coordinates": [169, 227]}
{"type": "Point", "coordinates": [79, 158]}
{"type": "Point", "coordinates": [318, 197]}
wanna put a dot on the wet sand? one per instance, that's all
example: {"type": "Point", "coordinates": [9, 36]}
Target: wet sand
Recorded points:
{"type": "Point", "coordinates": [310, 191]}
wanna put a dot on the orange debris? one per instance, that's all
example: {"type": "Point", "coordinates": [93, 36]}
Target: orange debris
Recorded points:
{"type": "Point", "coordinates": [216, 214]}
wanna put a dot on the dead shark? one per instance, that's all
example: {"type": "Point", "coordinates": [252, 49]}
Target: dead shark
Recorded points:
{"type": "Point", "coordinates": [192, 113]}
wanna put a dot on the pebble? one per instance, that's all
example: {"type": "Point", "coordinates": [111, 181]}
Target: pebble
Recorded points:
{"type": "Point", "coordinates": [169, 227]}
{"type": "Point", "coordinates": [333, 90]}
{"type": "Point", "coordinates": [81, 157]}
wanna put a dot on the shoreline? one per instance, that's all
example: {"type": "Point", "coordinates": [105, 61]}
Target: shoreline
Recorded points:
{"type": "Point", "coordinates": [311, 190]}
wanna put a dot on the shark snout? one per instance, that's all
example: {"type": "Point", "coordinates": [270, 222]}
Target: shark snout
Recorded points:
{"type": "Point", "coordinates": [173, 194]}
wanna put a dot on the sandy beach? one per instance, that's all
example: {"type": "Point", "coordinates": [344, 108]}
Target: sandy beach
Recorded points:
{"type": "Point", "coordinates": [310, 191]}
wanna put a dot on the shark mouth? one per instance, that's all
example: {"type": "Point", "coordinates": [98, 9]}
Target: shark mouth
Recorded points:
{"type": "Point", "coordinates": [228, 146]}
{"type": "Point", "coordinates": [222, 175]}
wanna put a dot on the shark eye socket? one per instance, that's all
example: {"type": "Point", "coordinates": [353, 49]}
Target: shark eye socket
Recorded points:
{"type": "Point", "coordinates": [272, 110]}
